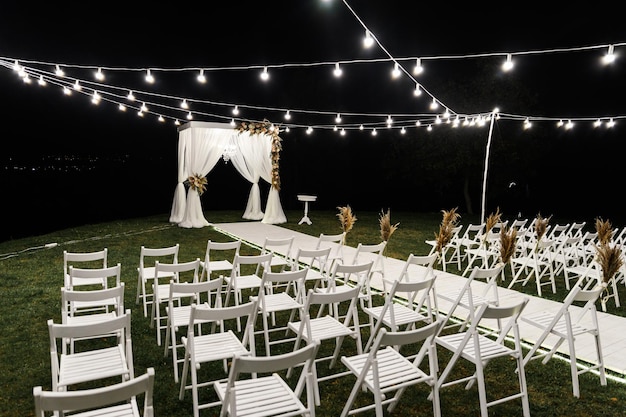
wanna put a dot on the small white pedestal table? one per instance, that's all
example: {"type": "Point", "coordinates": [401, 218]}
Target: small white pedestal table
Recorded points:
{"type": "Point", "coordinates": [306, 199]}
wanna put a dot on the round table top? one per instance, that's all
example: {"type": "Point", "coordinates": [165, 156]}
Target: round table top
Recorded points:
{"type": "Point", "coordinates": [302, 197]}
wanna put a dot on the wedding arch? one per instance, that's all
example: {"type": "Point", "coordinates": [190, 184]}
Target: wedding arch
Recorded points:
{"type": "Point", "coordinates": [253, 149]}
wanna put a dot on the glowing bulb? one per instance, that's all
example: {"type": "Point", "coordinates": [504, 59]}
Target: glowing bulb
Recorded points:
{"type": "Point", "coordinates": [403, 130]}
{"type": "Point", "coordinates": [508, 64]}
{"type": "Point", "coordinates": [418, 123]}
{"type": "Point", "coordinates": [121, 107]}
{"type": "Point", "coordinates": [287, 115]}
{"type": "Point", "coordinates": [527, 124]}
{"type": "Point", "coordinates": [609, 58]}
{"type": "Point", "coordinates": [130, 96]}
{"type": "Point", "coordinates": [338, 71]}
{"type": "Point", "coordinates": [389, 121]}
{"type": "Point", "coordinates": [232, 122]}
{"type": "Point", "coordinates": [77, 86]}
{"type": "Point", "coordinates": [361, 127]}
{"type": "Point", "coordinates": [201, 77]}
{"type": "Point", "coordinates": [418, 91]}
{"type": "Point", "coordinates": [189, 116]}
{"type": "Point", "coordinates": [265, 75]}
{"type": "Point", "coordinates": [144, 107]}
{"type": "Point", "coordinates": [418, 69]}
{"type": "Point", "coordinates": [434, 104]}
{"type": "Point", "coordinates": [610, 123]}
{"type": "Point", "coordinates": [59, 72]}
{"type": "Point", "coordinates": [177, 122]}
{"type": "Point", "coordinates": [161, 118]}
{"type": "Point", "coordinates": [335, 128]}
{"type": "Point", "coordinates": [429, 128]}
{"type": "Point", "coordinates": [236, 110]}
{"type": "Point", "coordinates": [559, 123]}
{"type": "Point", "coordinates": [569, 125]}
{"type": "Point", "coordinates": [96, 98]}
{"type": "Point", "coordinates": [368, 41]}
{"type": "Point", "coordinates": [338, 118]}
{"type": "Point", "coordinates": [149, 77]}
{"type": "Point", "coordinates": [184, 104]}
{"type": "Point", "coordinates": [597, 123]}
{"type": "Point", "coordinates": [41, 81]}
{"type": "Point", "coordinates": [343, 132]}
{"type": "Point", "coordinates": [374, 132]}
{"type": "Point", "coordinates": [67, 91]}
{"type": "Point", "coordinates": [309, 130]}
{"type": "Point", "coordinates": [395, 73]}
{"type": "Point", "coordinates": [99, 75]}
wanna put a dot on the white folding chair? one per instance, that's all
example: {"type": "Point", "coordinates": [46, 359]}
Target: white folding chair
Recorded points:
{"type": "Point", "coordinates": [220, 344]}
{"type": "Point", "coordinates": [561, 325]}
{"type": "Point", "coordinates": [111, 357]}
{"type": "Point", "coordinates": [280, 248]}
{"type": "Point", "coordinates": [178, 272]}
{"type": "Point", "coordinates": [267, 393]}
{"type": "Point", "coordinates": [345, 277]}
{"type": "Point", "coordinates": [83, 279]}
{"type": "Point", "coordinates": [415, 268]}
{"type": "Point", "coordinates": [406, 304]}
{"type": "Point", "coordinates": [375, 253]}
{"type": "Point", "coordinates": [335, 243]}
{"type": "Point", "coordinates": [390, 368]}
{"type": "Point", "coordinates": [316, 326]}
{"type": "Point", "coordinates": [244, 277]}
{"type": "Point", "coordinates": [95, 259]}
{"type": "Point", "coordinates": [470, 296]}
{"type": "Point", "coordinates": [145, 270]}
{"type": "Point", "coordinates": [486, 254]}
{"type": "Point", "coordinates": [114, 400]}
{"type": "Point", "coordinates": [275, 297]}
{"type": "Point", "coordinates": [111, 299]}
{"type": "Point", "coordinates": [538, 263]}
{"type": "Point", "coordinates": [222, 263]}
{"type": "Point", "coordinates": [479, 349]}
{"type": "Point", "coordinates": [470, 239]}
{"type": "Point", "coordinates": [314, 260]}
{"type": "Point", "coordinates": [178, 311]}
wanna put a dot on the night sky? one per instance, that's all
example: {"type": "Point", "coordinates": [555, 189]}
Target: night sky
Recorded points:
{"type": "Point", "coordinates": [355, 169]}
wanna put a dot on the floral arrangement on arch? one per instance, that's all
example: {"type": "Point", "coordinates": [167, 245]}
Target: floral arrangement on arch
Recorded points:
{"type": "Point", "coordinates": [267, 128]}
{"type": "Point", "coordinates": [197, 182]}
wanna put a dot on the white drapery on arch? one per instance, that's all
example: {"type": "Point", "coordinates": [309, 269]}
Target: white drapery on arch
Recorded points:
{"type": "Point", "coordinates": [200, 147]}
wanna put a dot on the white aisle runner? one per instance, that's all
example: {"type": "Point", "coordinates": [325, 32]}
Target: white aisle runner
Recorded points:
{"type": "Point", "coordinates": [613, 328]}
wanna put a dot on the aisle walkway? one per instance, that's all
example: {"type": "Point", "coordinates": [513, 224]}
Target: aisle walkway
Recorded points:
{"type": "Point", "coordinates": [613, 328]}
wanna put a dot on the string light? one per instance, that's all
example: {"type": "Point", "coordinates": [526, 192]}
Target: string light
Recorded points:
{"type": "Point", "coordinates": [189, 116]}
{"type": "Point", "coordinates": [121, 107]}
{"type": "Point", "coordinates": [374, 132]}
{"type": "Point", "coordinates": [149, 77]}
{"type": "Point", "coordinates": [418, 91]}
{"type": "Point", "coordinates": [236, 110]}
{"type": "Point", "coordinates": [434, 105]}
{"type": "Point", "coordinates": [287, 115]}
{"type": "Point", "coordinates": [77, 86]}
{"type": "Point", "coordinates": [343, 132]}
{"type": "Point", "coordinates": [96, 98]}
{"type": "Point", "coordinates": [99, 75]}
{"type": "Point", "coordinates": [508, 64]}
{"type": "Point", "coordinates": [368, 41]}
{"type": "Point", "coordinates": [418, 69]}
{"type": "Point", "coordinates": [337, 71]}
{"type": "Point", "coordinates": [41, 81]}
{"type": "Point", "coordinates": [265, 75]}
{"type": "Point", "coordinates": [59, 72]}
{"type": "Point", "coordinates": [338, 118]}
{"type": "Point", "coordinates": [395, 73]}
{"type": "Point", "coordinates": [184, 104]}
{"type": "Point", "coordinates": [144, 108]}
{"type": "Point", "coordinates": [130, 96]}
{"type": "Point", "coordinates": [527, 123]}
{"type": "Point", "coordinates": [610, 123]}
{"type": "Point", "coordinates": [67, 91]}
{"type": "Point", "coordinates": [201, 77]}
{"type": "Point", "coordinates": [609, 58]}
{"type": "Point", "coordinates": [569, 125]}
{"type": "Point", "coordinates": [161, 119]}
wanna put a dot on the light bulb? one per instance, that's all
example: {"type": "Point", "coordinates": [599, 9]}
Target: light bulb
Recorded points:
{"type": "Point", "coordinates": [418, 69]}
{"type": "Point", "coordinates": [59, 72]}
{"type": "Point", "coordinates": [265, 75]}
{"type": "Point", "coordinates": [418, 91]}
{"type": "Point", "coordinates": [149, 77]}
{"type": "Point", "coordinates": [236, 110]}
{"type": "Point", "coordinates": [508, 64]}
{"type": "Point", "coordinates": [338, 71]}
{"type": "Point", "coordinates": [395, 73]}
{"type": "Point", "coordinates": [99, 75]}
{"type": "Point", "coordinates": [77, 86]}
{"type": "Point", "coordinates": [184, 104]}
{"type": "Point", "coordinates": [338, 118]}
{"type": "Point", "coordinates": [368, 41]}
{"type": "Point", "coordinates": [287, 115]}
{"type": "Point", "coordinates": [201, 77]}
{"type": "Point", "coordinates": [130, 96]}
{"type": "Point", "coordinates": [610, 56]}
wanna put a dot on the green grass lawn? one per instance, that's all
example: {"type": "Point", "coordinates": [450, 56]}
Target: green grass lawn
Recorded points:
{"type": "Point", "coordinates": [31, 277]}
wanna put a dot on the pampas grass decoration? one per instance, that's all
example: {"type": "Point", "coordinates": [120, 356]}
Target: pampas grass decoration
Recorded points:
{"type": "Point", "coordinates": [610, 259]}
{"type": "Point", "coordinates": [541, 226]}
{"type": "Point", "coordinates": [508, 237]}
{"type": "Point", "coordinates": [448, 223]}
{"type": "Point", "coordinates": [492, 220]}
{"type": "Point", "coordinates": [346, 218]}
{"type": "Point", "coordinates": [605, 231]}
{"type": "Point", "coordinates": [386, 228]}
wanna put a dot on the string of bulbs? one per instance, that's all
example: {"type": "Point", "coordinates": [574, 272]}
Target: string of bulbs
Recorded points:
{"type": "Point", "coordinates": [175, 108]}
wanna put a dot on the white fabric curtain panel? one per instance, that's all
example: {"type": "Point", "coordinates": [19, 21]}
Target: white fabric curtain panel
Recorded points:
{"type": "Point", "coordinates": [249, 149]}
